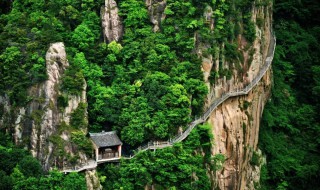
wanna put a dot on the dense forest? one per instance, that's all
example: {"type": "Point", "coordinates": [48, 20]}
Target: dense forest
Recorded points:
{"type": "Point", "coordinates": [290, 132]}
{"type": "Point", "coordinates": [19, 170]}
{"type": "Point", "coordinates": [149, 84]}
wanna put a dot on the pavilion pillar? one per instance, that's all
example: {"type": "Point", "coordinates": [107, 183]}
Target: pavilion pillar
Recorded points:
{"type": "Point", "coordinates": [119, 150]}
{"type": "Point", "coordinates": [97, 153]}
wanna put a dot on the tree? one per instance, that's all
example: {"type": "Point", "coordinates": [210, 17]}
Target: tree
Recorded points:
{"type": "Point", "coordinates": [29, 166]}
{"type": "Point", "coordinates": [136, 122]}
{"type": "Point", "coordinates": [6, 181]}
{"type": "Point", "coordinates": [12, 73]}
{"type": "Point", "coordinates": [168, 168]}
{"type": "Point", "coordinates": [72, 81]}
{"type": "Point", "coordinates": [290, 127]}
{"type": "Point", "coordinates": [74, 181]}
{"type": "Point", "coordinates": [83, 37]}
{"type": "Point", "coordinates": [134, 12]}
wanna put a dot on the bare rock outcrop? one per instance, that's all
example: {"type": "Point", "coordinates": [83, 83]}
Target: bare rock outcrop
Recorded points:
{"type": "Point", "coordinates": [39, 124]}
{"type": "Point", "coordinates": [92, 180]}
{"type": "Point", "coordinates": [236, 131]}
{"type": "Point", "coordinates": [49, 115]}
{"type": "Point", "coordinates": [156, 12]}
{"type": "Point", "coordinates": [235, 123]}
{"type": "Point", "coordinates": [111, 22]}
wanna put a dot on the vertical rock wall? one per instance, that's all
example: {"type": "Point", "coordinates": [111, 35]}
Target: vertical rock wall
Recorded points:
{"type": "Point", "coordinates": [235, 123]}
{"type": "Point", "coordinates": [111, 22]}
{"type": "Point", "coordinates": [236, 130]}
{"type": "Point", "coordinates": [36, 124]}
{"type": "Point", "coordinates": [92, 180]}
{"type": "Point", "coordinates": [56, 63]}
{"type": "Point", "coordinates": [156, 12]}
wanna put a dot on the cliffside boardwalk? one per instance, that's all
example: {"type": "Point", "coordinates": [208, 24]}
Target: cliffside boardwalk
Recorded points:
{"type": "Point", "coordinates": [214, 105]}
{"type": "Point", "coordinates": [180, 137]}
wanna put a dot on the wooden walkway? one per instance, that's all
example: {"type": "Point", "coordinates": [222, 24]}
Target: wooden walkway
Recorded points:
{"type": "Point", "coordinates": [214, 105]}
{"type": "Point", "coordinates": [90, 165]}
{"type": "Point", "coordinates": [152, 145]}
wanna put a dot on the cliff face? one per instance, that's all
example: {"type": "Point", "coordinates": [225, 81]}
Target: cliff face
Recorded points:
{"type": "Point", "coordinates": [45, 126]}
{"type": "Point", "coordinates": [111, 22]}
{"type": "Point", "coordinates": [156, 12]}
{"type": "Point", "coordinates": [235, 123]}
{"type": "Point", "coordinates": [42, 123]}
{"type": "Point", "coordinates": [236, 130]}
{"type": "Point", "coordinates": [92, 180]}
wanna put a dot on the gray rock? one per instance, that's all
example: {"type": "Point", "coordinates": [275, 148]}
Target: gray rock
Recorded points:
{"type": "Point", "coordinates": [35, 123]}
{"type": "Point", "coordinates": [156, 12]}
{"type": "Point", "coordinates": [111, 22]}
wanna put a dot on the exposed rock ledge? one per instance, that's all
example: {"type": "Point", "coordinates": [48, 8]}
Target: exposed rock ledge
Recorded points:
{"type": "Point", "coordinates": [92, 180]}
{"type": "Point", "coordinates": [111, 22]}
{"type": "Point", "coordinates": [36, 125]}
{"type": "Point", "coordinates": [156, 12]}
{"type": "Point", "coordinates": [235, 123]}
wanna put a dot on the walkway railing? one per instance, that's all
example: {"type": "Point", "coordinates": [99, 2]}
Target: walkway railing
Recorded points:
{"type": "Point", "coordinates": [152, 145]}
{"type": "Point", "coordinates": [90, 165]}
{"type": "Point", "coordinates": [180, 137]}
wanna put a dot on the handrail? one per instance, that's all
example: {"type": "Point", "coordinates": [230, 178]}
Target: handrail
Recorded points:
{"type": "Point", "coordinates": [180, 137]}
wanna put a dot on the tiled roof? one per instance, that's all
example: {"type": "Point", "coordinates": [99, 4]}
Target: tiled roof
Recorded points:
{"type": "Point", "coordinates": [105, 139]}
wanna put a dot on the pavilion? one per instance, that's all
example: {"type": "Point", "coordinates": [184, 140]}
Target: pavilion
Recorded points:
{"type": "Point", "coordinates": [107, 146]}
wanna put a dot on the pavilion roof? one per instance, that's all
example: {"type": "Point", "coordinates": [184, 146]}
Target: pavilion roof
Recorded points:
{"type": "Point", "coordinates": [105, 139]}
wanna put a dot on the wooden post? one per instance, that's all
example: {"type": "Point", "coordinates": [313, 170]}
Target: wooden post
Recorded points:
{"type": "Point", "coordinates": [97, 153]}
{"type": "Point", "coordinates": [119, 150]}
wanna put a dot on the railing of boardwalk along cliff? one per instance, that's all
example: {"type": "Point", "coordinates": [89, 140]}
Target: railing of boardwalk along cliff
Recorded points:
{"type": "Point", "coordinates": [220, 100]}
{"type": "Point", "coordinates": [204, 117]}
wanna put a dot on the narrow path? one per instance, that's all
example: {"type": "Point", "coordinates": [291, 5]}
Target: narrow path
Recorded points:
{"type": "Point", "coordinates": [90, 165]}
{"type": "Point", "coordinates": [214, 105]}
{"type": "Point", "coordinates": [162, 144]}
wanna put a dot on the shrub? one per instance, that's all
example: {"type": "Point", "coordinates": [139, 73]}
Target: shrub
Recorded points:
{"type": "Point", "coordinates": [255, 159]}
{"type": "Point", "coordinates": [231, 52]}
{"type": "Point", "coordinates": [249, 31]}
{"type": "Point", "coordinates": [260, 22]}
{"type": "Point", "coordinates": [72, 81]}
{"type": "Point", "coordinates": [246, 104]}
{"type": "Point", "coordinates": [78, 119]}
{"type": "Point", "coordinates": [62, 101]}
{"type": "Point", "coordinates": [82, 142]}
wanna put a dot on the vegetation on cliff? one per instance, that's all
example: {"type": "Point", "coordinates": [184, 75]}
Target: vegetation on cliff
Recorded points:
{"type": "Point", "coordinates": [19, 170]}
{"type": "Point", "coordinates": [149, 84]}
{"type": "Point", "coordinates": [184, 166]}
{"type": "Point", "coordinates": [144, 72]}
{"type": "Point", "coordinates": [146, 86]}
